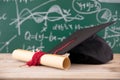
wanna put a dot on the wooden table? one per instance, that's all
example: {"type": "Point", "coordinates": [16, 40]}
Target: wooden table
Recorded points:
{"type": "Point", "coordinates": [11, 69]}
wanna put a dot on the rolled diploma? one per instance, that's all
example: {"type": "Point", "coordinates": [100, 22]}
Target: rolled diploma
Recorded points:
{"type": "Point", "coordinates": [52, 60]}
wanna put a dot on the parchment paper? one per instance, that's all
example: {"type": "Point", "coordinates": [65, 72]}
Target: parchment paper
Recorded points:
{"type": "Point", "coordinates": [52, 60]}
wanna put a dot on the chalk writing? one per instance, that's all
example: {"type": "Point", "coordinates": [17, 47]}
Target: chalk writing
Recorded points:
{"type": "Point", "coordinates": [6, 44]}
{"type": "Point", "coordinates": [44, 16]}
{"type": "Point", "coordinates": [65, 27]}
{"type": "Point", "coordinates": [25, 1]}
{"type": "Point", "coordinates": [33, 47]}
{"type": "Point", "coordinates": [20, 18]}
{"type": "Point", "coordinates": [110, 1]}
{"type": "Point", "coordinates": [40, 37]}
{"type": "Point", "coordinates": [116, 16]}
{"type": "Point", "coordinates": [44, 29]}
{"type": "Point", "coordinates": [104, 15]}
{"type": "Point", "coordinates": [38, 23]}
{"type": "Point", "coordinates": [112, 33]}
{"type": "Point", "coordinates": [86, 6]}
{"type": "Point", "coordinates": [114, 42]}
{"type": "Point", "coordinates": [3, 16]}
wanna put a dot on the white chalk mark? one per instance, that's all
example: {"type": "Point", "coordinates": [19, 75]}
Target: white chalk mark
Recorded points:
{"type": "Point", "coordinates": [110, 1]}
{"type": "Point", "coordinates": [112, 35]}
{"type": "Point", "coordinates": [18, 17]}
{"type": "Point", "coordinates": [40, 17]}
{"type": "Point", "coordinates": [7, 43]}
{"type": "Point", "coordinates": [104, 15]}
{"type": "Point", "coordinates": [3, 17]}
{"type": "Point", "coordinates": [116, 16]}
{"type": "Point", "coordinates": [28, 12]}
{"type": "Point", "coordinates": [41, 47]}
{"type": "Point", "coordinates": [21, 1]}
{"type": "Point", "coordinates": [44, 29]}
{"type": "Point", "coordinates": [86, 7]}
{"type": "Point", "coordinates": [28, 36]}
{"type": "Point", "coordinates": [34, 47]}
{"type": "Point", "coordinates": [35, 8]}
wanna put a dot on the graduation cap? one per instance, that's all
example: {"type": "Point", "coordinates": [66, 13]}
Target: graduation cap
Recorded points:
{"type": "Point", "coordinates": [85, 46]}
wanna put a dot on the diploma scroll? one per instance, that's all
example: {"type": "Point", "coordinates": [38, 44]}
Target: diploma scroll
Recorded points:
{"type": "Point", "coordinates": [52, 60]}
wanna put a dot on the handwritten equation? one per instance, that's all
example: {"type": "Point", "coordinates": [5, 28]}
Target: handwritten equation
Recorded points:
{"type": "Point", "coordinates": [32, 24]}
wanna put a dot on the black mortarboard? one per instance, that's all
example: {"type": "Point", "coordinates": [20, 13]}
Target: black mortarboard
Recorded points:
{"type": "Point", "coordinates": [85, 46]}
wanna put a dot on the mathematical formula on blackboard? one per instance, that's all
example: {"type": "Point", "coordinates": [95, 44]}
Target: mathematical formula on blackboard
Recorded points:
{"type": "Point", "coordinates": [42, 24]}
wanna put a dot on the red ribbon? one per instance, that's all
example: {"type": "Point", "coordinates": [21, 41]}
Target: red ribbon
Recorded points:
{"type": "Point", "coordinates": [36, 58]}
{"type": "Point", "coordinates": [67, 44]}
{"type": "Point", "coordinates": [38, 54]}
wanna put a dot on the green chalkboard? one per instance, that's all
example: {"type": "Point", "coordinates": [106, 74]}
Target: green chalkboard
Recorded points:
{"type": "Point", "coordinates": [42, 24]}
